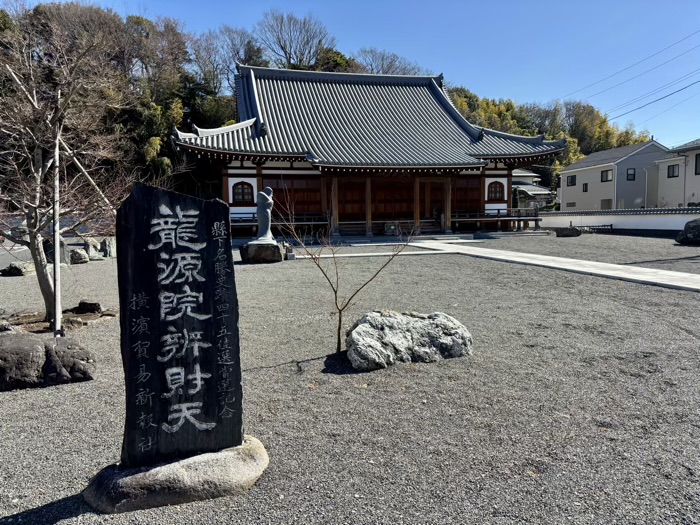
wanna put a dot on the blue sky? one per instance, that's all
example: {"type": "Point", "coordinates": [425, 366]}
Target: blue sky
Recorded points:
{"type": "Point", "coordinates": [526, 50]}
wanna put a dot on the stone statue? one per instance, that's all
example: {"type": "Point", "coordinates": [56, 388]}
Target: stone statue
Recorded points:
{"type": "Point", "coordinates": [264, 249]}
{"type": "Point", "coordinates": [264, 218]}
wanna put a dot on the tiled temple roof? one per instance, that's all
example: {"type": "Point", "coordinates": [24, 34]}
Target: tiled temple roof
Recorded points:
{"type": "Point", "coordinates": [356, 120]}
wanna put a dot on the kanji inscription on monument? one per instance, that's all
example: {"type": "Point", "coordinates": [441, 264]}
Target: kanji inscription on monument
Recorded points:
{"type": "Point", "coordinates": [179, 327]}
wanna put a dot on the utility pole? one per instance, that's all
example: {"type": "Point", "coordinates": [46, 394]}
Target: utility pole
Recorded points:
{"type": "Point", "coordinates": [57, 316]}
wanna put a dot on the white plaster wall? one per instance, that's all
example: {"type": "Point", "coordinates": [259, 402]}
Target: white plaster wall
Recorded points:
{"type": "Point", "coordinates": [250, 180]}
{"type": "Point", "coordinates": [623, 222]}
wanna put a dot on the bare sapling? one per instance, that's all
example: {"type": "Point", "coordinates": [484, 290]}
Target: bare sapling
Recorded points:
{"type": "Point", "coordinates": [325, 255]}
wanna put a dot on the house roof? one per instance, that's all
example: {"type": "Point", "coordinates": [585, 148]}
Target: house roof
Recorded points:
{"type": "Point", "coordinates": [356, 120]}
{"type": "Point", "coordinates": [693, 144]}
{"type": "Point", "coordinates": [532, 189]}
{"type": "Point", "coordinates": [608, 156]}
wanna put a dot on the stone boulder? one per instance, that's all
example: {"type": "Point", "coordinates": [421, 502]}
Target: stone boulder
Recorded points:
{"type": "Point", "coordinates": [92, 248]}
{"type": "Point", "coordinates": [18, 269]}
{"type": "Point", "coordinates": [108, 246]}
{"type": "Point", "coordinates": [79, 256]}
{"type": "Point", "coordinates": [570, 231]}
{"type": "Point", "coordinates": [228, 472]}
{"type": "Point", "coordinates": [690, 234]}
{"type": "Point", "coordinates": [27, 361]}
{"type": "Point", "coordinates": [22, 357]}
{"type": "Point", "coordinates": [261, 253]}
{"type": "Point", "coordinates": [5, 326]}
{"type": "Point", "coordinates": [381, 339]}
{"type": "Point", "coordinates": [48, 250]}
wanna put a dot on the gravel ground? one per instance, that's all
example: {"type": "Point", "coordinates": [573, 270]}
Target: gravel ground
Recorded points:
{"type": "Point", "coordinates": [662, 254]}
{"type": "Point", "coordinates": [579, 404]}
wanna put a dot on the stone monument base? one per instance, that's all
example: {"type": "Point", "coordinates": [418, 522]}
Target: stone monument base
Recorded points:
{"type": "Point", "coordinates": [254, 253]}
{"type": "Point", "coordinates": [205, 476]}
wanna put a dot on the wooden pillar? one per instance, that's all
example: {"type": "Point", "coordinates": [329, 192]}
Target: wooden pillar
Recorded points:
{"type": "Point", "coordinates": [416, 205]}
{"type": "Point", "coordinates": [509, 197]}
{"type": "Point", "coordinates": [324, 196]}
{"type": "Point", "coordinates": [427, 211]}
{"type": "Point", "coordinates": [448, 205]}
{"type": "Point", "coordinates": [335, 218]}
{"type": "Point", "coordinates": [368, 206]}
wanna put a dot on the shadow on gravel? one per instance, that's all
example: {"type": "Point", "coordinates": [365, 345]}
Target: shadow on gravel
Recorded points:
{"type": "Point", "coordinates": [692, 258]}
{"type": "Point", "coordinates": [51, 513]}
{"type": "Point", "coordinates": [338, 364]}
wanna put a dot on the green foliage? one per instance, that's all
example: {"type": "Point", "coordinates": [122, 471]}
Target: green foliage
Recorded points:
{"type": "Point", "coordinates": [584, 127]}
{"type": "Point", "coordinates": [330, 59]}
{"type": "Point", "coordinates": [150, 152]}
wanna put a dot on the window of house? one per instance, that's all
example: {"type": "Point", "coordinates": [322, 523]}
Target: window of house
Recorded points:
{"type": "Point", "coordinates": [584, 187]}
{"type": "Point", "coordinates": [606, 176]}
{"type": "Point", "coordinates": [242, 194]}
{"type": "Point", "coordinates": [496, 191]}
{"type": "Point", "coordinates": [570, 204]}
{"type": "Point", "coordinates": [697, 164]}
{"type": "Point", "coordinates": [672, 171]}
{"type": "Point", "coordinates": [631, 173]}
{"type": "Point", "coordinates": [571, 180]}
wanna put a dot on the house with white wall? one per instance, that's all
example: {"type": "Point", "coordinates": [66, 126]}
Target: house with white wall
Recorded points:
{"type": "Point", "coordinates": [679, 176]}
{"type": "Point", "coordinates": [618, 178]}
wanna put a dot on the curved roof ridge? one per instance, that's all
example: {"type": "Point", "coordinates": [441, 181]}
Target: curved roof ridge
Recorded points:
{"type": "Point", "coordinates": [535, 139]}
{"type": "Point", "coordinates": [446, 102]}
{"type": "Point", "coordinates": [300, 74]}
{"type": "Point", "coordinates": [208, 132]}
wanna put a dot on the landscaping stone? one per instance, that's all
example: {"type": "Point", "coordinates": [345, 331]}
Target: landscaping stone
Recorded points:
{"type": "Point", "coordinates": [48, 251]}
{"type": "Point", "coordinates": [79, 256]}
{"type": "Point", "coordinates": [690, 234]}
{"type": "Point", "coordinates": [91, 247]}
{"type": "Point", "coordinates": [108, 247]}
{"type": "Point", "coordinates": [87, 307]}
{"type": "Point", "coordinates": [204, 476]}
{"type": "Point", "coordinates": [28, 361]}
{"type": "Point", "coordinates": [381, 339]}
{"type": "Point", "coordinates": [261, 253]}
{"type": "Point", "coordinates": [21, 359]}
{"type": "Point", "coordinates": [73, 363]}
{"type": "Point", "coordinates": [570, 231]}
{"type": "Point", "coordinates": [18, 269]}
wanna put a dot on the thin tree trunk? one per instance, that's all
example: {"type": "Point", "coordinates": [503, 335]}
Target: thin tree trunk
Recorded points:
{"type": "Point", "coordinates": [36, 248]}
{"type": "Point", "coordinates": [338, 344]}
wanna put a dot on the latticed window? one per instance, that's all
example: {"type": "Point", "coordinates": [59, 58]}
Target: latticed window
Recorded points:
{"type": "Point", "coordinates": [496, 191]}
{"type": "Point", "coordinates": [243, 194]}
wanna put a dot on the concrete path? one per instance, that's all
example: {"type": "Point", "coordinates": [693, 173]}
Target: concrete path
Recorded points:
{"type": "Point", "coordinates": [636, 274]}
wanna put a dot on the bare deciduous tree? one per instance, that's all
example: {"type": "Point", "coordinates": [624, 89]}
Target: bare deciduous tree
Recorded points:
{"type": "Point", "coordinates": [381, 62]}
{"type": "Point", "coordinates": [239, 47]}
{"type": "Point", "coordinates": [209, 60]}
{"type": "Point", "coordinates": [61, 85]}
{"type": "Point", "coordinates": [293, 42]}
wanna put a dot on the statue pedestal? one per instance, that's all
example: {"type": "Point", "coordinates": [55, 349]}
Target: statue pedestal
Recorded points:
{"type": "Point", "coordinates": [205, 476]}
{"type": "Point", "coordinates": [261, 253]}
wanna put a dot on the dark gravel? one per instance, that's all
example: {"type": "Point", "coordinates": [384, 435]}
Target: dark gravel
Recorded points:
{"type": "Point", "coordinates": [579, 405]}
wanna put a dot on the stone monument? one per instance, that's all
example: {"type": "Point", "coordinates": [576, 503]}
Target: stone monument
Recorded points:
{"type": "Point", "coordinates": [183, 435]}
{"type": "Point", "coordinates": [264, 249]}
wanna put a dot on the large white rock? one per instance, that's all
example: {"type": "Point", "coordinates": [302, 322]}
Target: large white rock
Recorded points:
{"type": "Point", "coordinates": [380, 339]}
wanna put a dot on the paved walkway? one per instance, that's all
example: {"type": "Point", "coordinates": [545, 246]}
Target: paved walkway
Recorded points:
{"type": "Point", "coordinates": [635, 274]}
